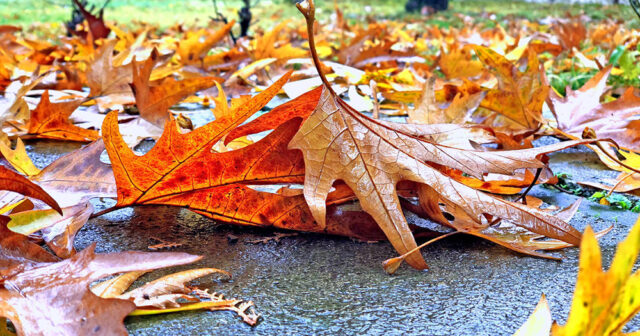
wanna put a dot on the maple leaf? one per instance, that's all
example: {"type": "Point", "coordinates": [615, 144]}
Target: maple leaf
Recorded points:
{"type": "Point", "coordinates": [154, 102]}
{"type": "Point", "coordinates": [520, 95]}
{"type": "Point", "coordinates": [582, 108]}
{"type": "Point", "coordinates": [51, 120]}
{"type": "Point", "coordinates": [603, 301]}
{"type": "Point", "coordinates": [38, 303]}
{"type": "Point", "coordinates": [372, 156]}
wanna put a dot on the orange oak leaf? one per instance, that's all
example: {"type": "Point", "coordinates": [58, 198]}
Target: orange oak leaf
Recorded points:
{"type": "Point", "coordinates": [54, 297]}
{"type": "Point", "coordinates": [301, 107]}
{"type": "Point", "coordinates": [373, 156]}
{"type": "Point", "coordinates": [520, 95]}
{"type": "Point", "coordinates": [154, 101]}
{"type": "Point", "coordinates": [174, 164]}
{"type": "Point", "coordinates": [203, 179]}
{"type": "Point", "coordinates": [51, 120]}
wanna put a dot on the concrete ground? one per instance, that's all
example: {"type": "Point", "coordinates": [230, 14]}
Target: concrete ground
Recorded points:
{"type": "Point", "coordinates": [320, 285]}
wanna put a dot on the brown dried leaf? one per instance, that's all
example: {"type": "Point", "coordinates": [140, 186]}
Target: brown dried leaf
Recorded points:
{"type": "Point", "coordinates": [372, 157]}
{"type": "Point", "coordinates": [78, 175]}
{"type": "Point", "coordinates": [39, 303]}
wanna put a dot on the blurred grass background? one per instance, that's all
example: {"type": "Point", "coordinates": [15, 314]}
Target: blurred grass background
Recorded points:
{"type": "Point", "coordinates": [168, 12]}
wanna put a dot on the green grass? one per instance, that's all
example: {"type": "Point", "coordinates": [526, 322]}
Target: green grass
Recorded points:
{"type": "Point", "coordinates": [31, 13]}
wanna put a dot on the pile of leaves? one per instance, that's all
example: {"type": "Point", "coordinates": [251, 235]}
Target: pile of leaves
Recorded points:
{"type": "Point", "coordinates": [475, 98]}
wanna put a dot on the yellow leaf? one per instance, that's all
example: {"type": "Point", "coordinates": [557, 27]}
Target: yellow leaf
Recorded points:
{"type": "Point", "coordinates": [17, 157]}
{"type": "Point", "coordinates": [604, 302]}
{"type": "Point", "coordinates": [539, 323]}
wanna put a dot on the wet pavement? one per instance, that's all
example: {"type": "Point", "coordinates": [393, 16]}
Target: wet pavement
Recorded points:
{"type": "Point", "coordinates": [321, 285]}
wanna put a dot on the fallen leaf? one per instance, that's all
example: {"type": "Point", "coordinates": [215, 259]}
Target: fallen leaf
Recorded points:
{"type": "Point", "coordinates": [163, 292]}
{"type": "Point", "coordinates": [372, 156]}
{"type": "Point", "coordinates": [154, 102]}
{"type": "Point", "coordinates": [520, 95]}
{"type": "Point", "coordinates": [17, 157]}
{"type": "Point", "coordinates": [51, 121]}
{"type": "Point", "coordinates": [582, 108]}
{"type": "Point", "coordinates": [55, 296]}
{"type": "Point", "coordinates": [58, 231]}
{"type": "Point", "coordinates": [78, 175]}
{"type": "Point", "coordinates": [17, 183]}
{"type": "Point", "coordinates": [104, 78]}
{"type": "Point", "coordinates": [603, 301]}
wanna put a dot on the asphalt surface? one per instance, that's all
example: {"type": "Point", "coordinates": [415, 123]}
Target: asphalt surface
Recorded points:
{"type": "Point", "coordinates": [322, 285]}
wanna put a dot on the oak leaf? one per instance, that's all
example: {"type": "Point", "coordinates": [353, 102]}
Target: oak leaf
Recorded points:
{"type": "Point", "coordinates": [582, 108]}
{"type": "Point", "coordinates": [104, 77]}
{"type": "Point", "coordinates": [54, 297]}
{"type": "Point", "coordinates": [154, 101]}
{"type": "Point", "coordinates": [51, 120]}
{"type": "Point", "coordinates": [78, 176]}
{"type": "Point", "coordinates": [372, 156]}
{"type": "Point", "coordinates": [17, 157]}
{"type": "Point", "coordinates": [15, 182]}
{"type": "Point", "coordinates": [181, 168]}
{"type": "Point", "coordinates": [164, 292]}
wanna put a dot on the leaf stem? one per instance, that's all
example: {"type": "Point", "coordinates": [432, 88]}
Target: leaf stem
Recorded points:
{"type": "Point", "coordinates": [104, 211]}
{"type": "Point", "coordinates": [308, 10]}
